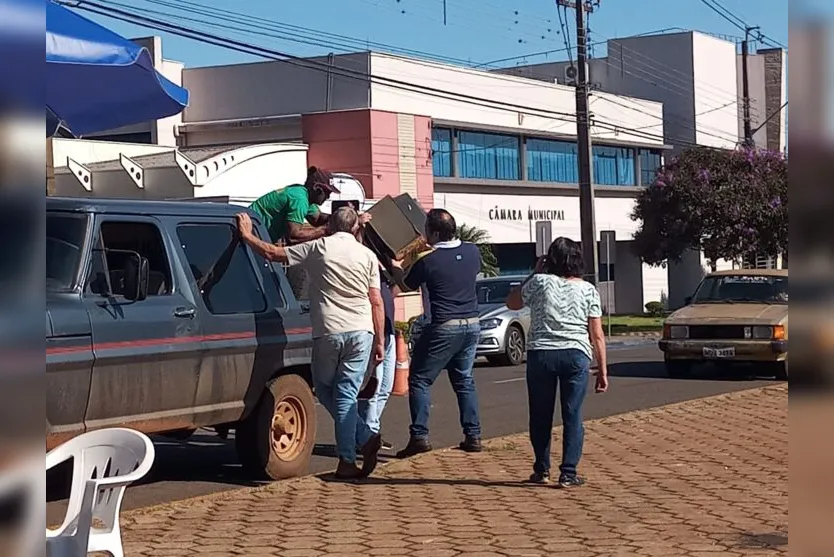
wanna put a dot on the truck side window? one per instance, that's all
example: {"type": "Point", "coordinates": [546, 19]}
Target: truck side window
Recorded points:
{"type": "Point", "coordinates": [141, 237]}
{"type": "Point", "coordinates": [221, 268]}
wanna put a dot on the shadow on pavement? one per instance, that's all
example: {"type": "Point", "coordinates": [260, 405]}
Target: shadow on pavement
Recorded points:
{"type": "Point", "coordinates": [329, 478]}
{"type": "Point", "coordinates": [657, 370]}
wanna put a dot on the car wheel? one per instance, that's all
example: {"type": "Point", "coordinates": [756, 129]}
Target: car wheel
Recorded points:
{"type": "Point", "coordinates": [781, 370]}
{"type": "Point", "coordinates": [514, 348]}
{"type": "Point", "coordinates": [276, 441]}
{"type": "Point", "coordinates": [678, 369]}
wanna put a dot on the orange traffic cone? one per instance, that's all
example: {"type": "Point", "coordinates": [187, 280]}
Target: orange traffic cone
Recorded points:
{"type": "Point", "coordinates": [401, 373]}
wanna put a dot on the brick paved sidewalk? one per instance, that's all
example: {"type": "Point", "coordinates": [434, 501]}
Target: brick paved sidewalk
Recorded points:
{"type": "Point", "coordinates": [702, 478]}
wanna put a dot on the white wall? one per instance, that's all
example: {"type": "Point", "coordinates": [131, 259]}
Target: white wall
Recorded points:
{"type": "Point", "coordinates": [714, 63]}
{"type": "Point", "coordinates": [258, 170]}
{"type": "Point", "coordinates": [274, 88]}
{"type": "Point", "coordinates": [655, 284]}
{"type": "Point", "coordinates": [474, 209]}
{"type": "Point", "coordinates": [165, 127]}
{"type": "Point", "coordinates": [546, 99]}
{"type": "Point", "coordinates": [86, 151]}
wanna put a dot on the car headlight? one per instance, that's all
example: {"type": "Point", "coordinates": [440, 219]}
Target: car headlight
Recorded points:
{"type": "Point", "coordinates": [758, 332]}
{"type": "Point", "coordinates": [676, 331]}
{"type": "Point", "coordinates": [488, 324]}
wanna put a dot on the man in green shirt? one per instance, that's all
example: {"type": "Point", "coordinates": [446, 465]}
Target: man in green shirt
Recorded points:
{"type": "Point", "coordinates": [286, 211]}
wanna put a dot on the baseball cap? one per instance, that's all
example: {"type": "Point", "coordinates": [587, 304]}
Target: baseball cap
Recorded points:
{"type": "Point", "coordinates": [322, 179]}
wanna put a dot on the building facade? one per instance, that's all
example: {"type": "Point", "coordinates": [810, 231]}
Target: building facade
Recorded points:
{"type": "Point", "coordinates": [497, 151]}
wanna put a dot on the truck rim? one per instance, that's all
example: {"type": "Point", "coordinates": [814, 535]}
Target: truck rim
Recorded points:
{"type": "Point", "coordinates": [289, 428]}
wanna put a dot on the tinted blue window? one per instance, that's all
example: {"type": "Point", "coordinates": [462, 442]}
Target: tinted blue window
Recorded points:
{"type": "Point", "coordinates": [551, 161]}
{"type": "Point", "coordinates": [441, 151]}
{"type": "Point", "coordinates": [488, 156]}
{"type": "Point", "coordinates": [650, 161]}
{"type": "Point", "coordinates": [613, 166]}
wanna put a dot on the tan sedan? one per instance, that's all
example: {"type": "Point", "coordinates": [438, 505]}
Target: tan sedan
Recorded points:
{"type": "Point", "coordinates": [734, 317]}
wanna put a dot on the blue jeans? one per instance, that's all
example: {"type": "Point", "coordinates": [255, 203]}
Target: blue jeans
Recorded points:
{"type": "Point", "coordinates": [339, 365]}
{"type": "Point", "coordinates": [451, 346]}
{"type": "Point", "coordinates": [370, 411]}
{"type": "Point", "coordinates": [547, 370]}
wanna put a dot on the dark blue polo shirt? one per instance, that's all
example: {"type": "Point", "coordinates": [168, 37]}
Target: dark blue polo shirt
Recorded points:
{"type": "Point", "coordinates": [448, 274]}
{"type": "Point", "coordinates": [388, 302]}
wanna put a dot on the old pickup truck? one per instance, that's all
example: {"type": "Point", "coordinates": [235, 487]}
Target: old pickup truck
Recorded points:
{"type": "Point", "coordinates": [159, 319]}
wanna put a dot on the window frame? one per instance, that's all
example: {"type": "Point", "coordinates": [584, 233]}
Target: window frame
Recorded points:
{"type": "Point", "coordinates": [253, 267]}
{"type": "Point", "coordinates": [98, 248]}
{"type": "Point", "coordinates": [448, 154]}
{"type": "Point", "coordinates": [460, 151]}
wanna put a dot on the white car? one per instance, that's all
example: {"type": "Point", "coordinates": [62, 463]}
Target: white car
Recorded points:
{"type": "Point", "coordinates": [503, 331]}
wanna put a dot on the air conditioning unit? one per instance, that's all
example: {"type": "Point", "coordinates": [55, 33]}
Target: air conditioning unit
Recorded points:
{"type": "Point", "coordinates": [570, 75]}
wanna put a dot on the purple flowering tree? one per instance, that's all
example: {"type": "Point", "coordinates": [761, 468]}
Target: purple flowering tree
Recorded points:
{"type": "Point", "coordinates": [728, 204]}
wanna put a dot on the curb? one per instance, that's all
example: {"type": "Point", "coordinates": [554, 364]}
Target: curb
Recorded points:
{"type": "Point", "coordinates": [282, 486]}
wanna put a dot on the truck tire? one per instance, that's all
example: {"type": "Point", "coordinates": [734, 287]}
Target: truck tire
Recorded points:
{"type": "Point", "coordinates": [276, 441]}
{"type": "Point", "coordinates": [780, 370]}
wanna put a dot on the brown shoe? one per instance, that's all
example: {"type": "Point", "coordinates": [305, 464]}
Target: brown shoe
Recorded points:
{"type": "Point", "coordinates": [348, 471]}
{"type": "Point", "coordinates": [370, 454]}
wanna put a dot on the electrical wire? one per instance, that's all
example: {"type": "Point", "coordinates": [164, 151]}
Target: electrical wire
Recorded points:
{"type": "Point", "coordinates": [207, 38]}
{"type": "Point", "coordinates": [738, 22]}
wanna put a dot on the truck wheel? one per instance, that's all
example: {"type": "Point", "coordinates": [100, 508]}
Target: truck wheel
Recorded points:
{"type": "Point", "coordinates": [276, 441]}
{"type": "Point", "coordinates": [781, 370]}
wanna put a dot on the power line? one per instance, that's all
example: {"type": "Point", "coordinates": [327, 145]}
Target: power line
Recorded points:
{"type": "Point", "coordinates": [239, 46]}
{"type": "Point", "coordinates": [738, 22]}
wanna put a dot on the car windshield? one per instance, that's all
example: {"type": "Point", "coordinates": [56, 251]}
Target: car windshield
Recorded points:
{"type": "Point", "coordinates": [757, 289]}
{"type": "Point", "coordinates": [495, 291]}
{"type": "Point", "coordinates": [65, 234]}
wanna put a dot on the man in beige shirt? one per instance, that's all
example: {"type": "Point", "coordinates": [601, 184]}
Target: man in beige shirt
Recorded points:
{"type": "Point", "coordinates": [347, 314]}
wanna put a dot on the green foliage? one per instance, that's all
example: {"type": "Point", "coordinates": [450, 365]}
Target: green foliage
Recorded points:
{"type": "Point", "coordinates": [479, 237]}
{"type": "Point", "coordinates": [728, 204]}
{"type": "Point", "coordinates": [655, 309]}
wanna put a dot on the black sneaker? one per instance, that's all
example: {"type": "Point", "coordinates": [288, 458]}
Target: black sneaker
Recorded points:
{"type": "Point", "coordinates": [471, 445]}
{"type": "Point", "coordinates": [570, 481]}
{"type": "Point", "coordinates": [415, 446]}
{"type": "Point", "coordinates": [386, 446]}
{"type": "Point", "coordinates": [539, 478]}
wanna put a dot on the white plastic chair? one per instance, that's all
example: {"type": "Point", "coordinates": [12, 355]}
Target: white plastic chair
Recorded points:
{"type": "Point", "coordinates": [105, 462]}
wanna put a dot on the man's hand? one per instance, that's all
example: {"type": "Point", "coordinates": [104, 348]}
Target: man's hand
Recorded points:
{"type": "Point", "coordinates": [601, 383]}
{"type": "Point", "coordinates": [365, 218]}
{"type": "Point", "coordinates": [379, 352]}
{"type": "Point", "coordinates": [244, 225]}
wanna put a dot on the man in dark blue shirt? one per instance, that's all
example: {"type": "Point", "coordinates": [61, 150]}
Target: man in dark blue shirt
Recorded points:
{"type": "Point", "coordinates": [449, 342]}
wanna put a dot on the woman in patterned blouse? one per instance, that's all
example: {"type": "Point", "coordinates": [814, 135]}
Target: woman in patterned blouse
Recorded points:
{"type": "Point", "coordinates": [565, 335]}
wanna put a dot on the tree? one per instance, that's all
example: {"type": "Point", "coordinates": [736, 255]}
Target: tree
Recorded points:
{"type": "Point", "coordinates": [479, 237]}
{"type": "Point", "coordinates": [728, 204]}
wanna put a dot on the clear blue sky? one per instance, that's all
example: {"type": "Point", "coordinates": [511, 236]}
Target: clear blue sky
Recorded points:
{"type": "Point", "coordinates": [477, 30]}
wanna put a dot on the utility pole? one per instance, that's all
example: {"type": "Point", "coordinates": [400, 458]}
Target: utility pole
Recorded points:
{"type": "Point", "coordinates": [583, 142]}
{"type": "Point", "coordinates": [745, 87]}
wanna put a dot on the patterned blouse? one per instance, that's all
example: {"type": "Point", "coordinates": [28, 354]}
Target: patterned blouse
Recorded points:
{"type": "Point", "coordinates": [559, 312]}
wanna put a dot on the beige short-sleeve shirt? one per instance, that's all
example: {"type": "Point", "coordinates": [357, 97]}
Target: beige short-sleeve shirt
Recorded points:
{"type": "Point", "coordinates": [340, 272]}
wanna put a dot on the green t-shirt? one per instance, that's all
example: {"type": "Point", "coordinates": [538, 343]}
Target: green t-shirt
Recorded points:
{"type": "Point", "coordinates": [279, 207]}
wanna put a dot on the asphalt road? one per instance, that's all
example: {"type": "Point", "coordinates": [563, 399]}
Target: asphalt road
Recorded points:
{"type": "Point", "coordinates": [205, 463]}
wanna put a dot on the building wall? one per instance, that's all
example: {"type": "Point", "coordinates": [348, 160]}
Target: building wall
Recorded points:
{"type": "Point", "coordinates": [716, 91]}
{"type": "Point", "coordinates": [506, 217]}
{"type": "Point", "coordinates": [478, 97]}
{"type": "Point", "coordinates": [691, 74]}
{"type": "Point", "coordinates": [274, 88]}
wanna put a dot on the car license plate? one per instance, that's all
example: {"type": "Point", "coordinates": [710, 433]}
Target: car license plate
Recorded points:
{"type": "Point", "coordinates": [710, 352]}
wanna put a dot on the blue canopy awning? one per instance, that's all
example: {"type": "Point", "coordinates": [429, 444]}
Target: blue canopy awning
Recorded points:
{"type": "Point", "coordinates": [97, 80]}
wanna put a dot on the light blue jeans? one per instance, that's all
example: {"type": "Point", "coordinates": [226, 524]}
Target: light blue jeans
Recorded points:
{"type": "Point", "coordinates": [339, 365]}
{"type": "Point", "coordinates": [370, 411]}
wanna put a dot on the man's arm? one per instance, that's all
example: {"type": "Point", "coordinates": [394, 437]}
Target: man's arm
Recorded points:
{"type": "Point", "coordinates": [298, 233]}
{"type": "Point", "coordinates": [268, 251]}
{"type": "Point", "coordinates": [318, 219]}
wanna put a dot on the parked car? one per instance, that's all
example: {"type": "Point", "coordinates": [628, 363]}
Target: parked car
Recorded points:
{"type": "Point", "coordinates": [503, 331]}
{"type": "Point", "coordinates": [159, 319]}
{"type": "Point", "coordinates": [734, 317]}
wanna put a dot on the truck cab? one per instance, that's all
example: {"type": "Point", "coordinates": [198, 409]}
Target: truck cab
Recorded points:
{"type": "Point", "coordinates": [160, 319]}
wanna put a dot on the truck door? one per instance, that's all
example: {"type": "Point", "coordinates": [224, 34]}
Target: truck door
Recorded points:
{"type": "Point", "coordinates": [148, 352]}
{"type": "Point", "coordinates": [247, 324]}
